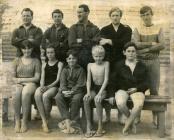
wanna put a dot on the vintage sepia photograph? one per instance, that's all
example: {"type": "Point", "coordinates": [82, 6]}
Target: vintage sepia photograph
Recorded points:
{"type": "Point", "coordinates": [82, 69]}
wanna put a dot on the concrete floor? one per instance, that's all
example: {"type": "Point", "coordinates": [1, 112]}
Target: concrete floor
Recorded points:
{"type": "Point", "coordinates": [145, 130]}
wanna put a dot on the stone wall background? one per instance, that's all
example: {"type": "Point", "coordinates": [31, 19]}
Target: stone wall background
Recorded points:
{"type": "Point", "coordinates": [10, 18]}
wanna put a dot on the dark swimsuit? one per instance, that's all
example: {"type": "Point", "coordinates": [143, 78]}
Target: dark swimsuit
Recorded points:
{"type": "Point", "coordinates": [50, 73]}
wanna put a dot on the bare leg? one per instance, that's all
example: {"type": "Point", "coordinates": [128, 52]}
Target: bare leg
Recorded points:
{"type": "Point", "coordinates": [99, 109]}
{"type": "Point", "coordinates": [138, 101]}
{"type": "Point", "coordinates": [121, 98]}
{"type": "Point", "coordinates": [27, 92]}
{"type": "Point", "coordinates": [47, 96]}
{"type": "Point", "coordinates": [87, 108]}
{"type": "Point", "coordinates": [108, 114]}
{"type": "Point", "coordinates": [17, 106]}
{"type": "Point", "coordinates": [40, 106]}
{"type": "Point", "coordinates": [121, 118]}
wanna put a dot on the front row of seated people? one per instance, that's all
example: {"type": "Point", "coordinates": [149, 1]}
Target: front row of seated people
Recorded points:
{"type": "Point", "coordinates": [130, 81]}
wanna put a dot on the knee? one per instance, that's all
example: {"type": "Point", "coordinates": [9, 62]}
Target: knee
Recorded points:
{"type": "Point", "coordinates": [138, 106]}
{"type": "Point", "coordinates": [87, 101]}
{"type": "Point", "coordinates": [77, 99]}
{"type": "Point", "coordinates": [45, 97]}
{"type": "Point", "coordinates": [97, 102]}
{"type": "Point", "coordinates": [58, 97]}
{"type": "Point", "coordinates": [121, 103]}
{"type": "Point", "coordinates": [37, 94]}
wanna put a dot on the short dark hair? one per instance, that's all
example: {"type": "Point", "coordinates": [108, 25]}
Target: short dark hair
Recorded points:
{"type": "Point", "coordinates": [85, 7]}
{"type": "Point", "coordinates": [129, 44]}
{"type": "Point", "coordinates": [116, 9]}
{"type": "Point", "coordinates": [73, 53]}
{"type": "Point", "coordinates": [145, 9]}
{"type": "Point", "coordinates": [26, 43]}
{"type": "Point", "coordinates": [23, 45]}
{"type": "Point", "coordinates": [27, 9]}
{"type": "Point", "coordinates": [57, 11]}
{"type": "Point", "coordinates": [52, 45]}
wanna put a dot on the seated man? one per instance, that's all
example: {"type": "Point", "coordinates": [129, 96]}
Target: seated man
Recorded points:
{"type": "Point", "coordinates": [71, 92]}
{"type": "Point", "coordinates": [131, 81]}
{"type": "Point", "coordinates": [97, 80]}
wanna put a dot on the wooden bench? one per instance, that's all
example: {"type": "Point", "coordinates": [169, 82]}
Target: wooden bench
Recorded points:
{"type": "Point", "coordinates": [152, 103]}
{"type": "Point", "coordinates": [157, 104]}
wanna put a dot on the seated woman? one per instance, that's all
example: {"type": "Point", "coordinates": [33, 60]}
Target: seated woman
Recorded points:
{"type": "Point", "coordinates": [26, 72]}
{"type": "Point", "coordinates": [50, 77]}
{"type": "Point", "coordinates": [131, 82]}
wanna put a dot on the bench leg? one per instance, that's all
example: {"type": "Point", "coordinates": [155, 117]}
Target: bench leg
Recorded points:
{"type": "Point", "coordinates": [158, 120]}
{"type": "Point", "coordinates": [161, 131]}
{"type": "Point", "coordinates": [5, 109]}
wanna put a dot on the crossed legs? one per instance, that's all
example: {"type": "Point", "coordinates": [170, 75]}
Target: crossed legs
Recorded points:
{"type": "Point", "coordinates": [121, 101]}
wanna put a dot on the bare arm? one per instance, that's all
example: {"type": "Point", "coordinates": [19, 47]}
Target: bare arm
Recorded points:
{"type": "Point", "coordinates": [106, 78]}
{"type": "Point", "coordinates": [42, 81]}
{"type": "Point", "coordinates": [60, 66]}
{"type": "Point", "coordinates": [88, 83]}
{"type": "Point", "coordinates": [34, 79]}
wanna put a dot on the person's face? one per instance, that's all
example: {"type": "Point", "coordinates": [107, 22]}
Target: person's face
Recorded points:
{"type": "Point", "coordinates": [81, 14]}
{"type": "Point", "coordinates": [27, 17]}
{"type": "Point", "coordinates": [98, 57]}
{"type": "Point", "coordinates": [130, 53]}
{"type": "Point", "coordinates": [71, 60]}
{"type": "Point", "coordinates": [27, 51]}
{"type": "Point", "coordinates": [57, 18]}
{"type": "Point", "coordinates": [50, 52]}
{"type": "Point", "coordinates": [115, 17]}
{"type": "Point", "coordinates": [147, 18]}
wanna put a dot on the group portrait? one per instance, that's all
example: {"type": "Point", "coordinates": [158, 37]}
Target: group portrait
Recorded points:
{"type": "Point", "coordinates": [77, 63]}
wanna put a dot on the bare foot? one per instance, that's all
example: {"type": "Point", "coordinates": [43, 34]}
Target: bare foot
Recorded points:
{"type": "Point", "coordinates": [69, 130]}
{"type": "Point", "coordinates": [17, 127]}
{"type": "Point", "coordinates": [125, 132]}
{"type": "Point", "coordinates": [62, 125]}
{"type": "Point", "coordinates": [89, 134]}
{"type": "Point", "coordinates": [45, 128]}
{"type": "Point", "coordinates": [24, 127]}
{"type": "Point", "coordinates": [37, 116]}
{"type": "Point", "coordinates": [99, 133]}
{"type": "Point", "coordinates": [134, 128]}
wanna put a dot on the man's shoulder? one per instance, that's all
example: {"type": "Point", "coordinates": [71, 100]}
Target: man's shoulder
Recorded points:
{"type": "Point", "coordinates": [18, 28]}
{"type": "Point", "coordinates": [74, 25]}
{"type": "Point", "coordinates": [92, 25]}
{"type": "Point", "coordinates": [141, 64]}
{"type": "Point", "coordinates": [125, 27]}
{"type": "Point", "coordinates": [106, 27]}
